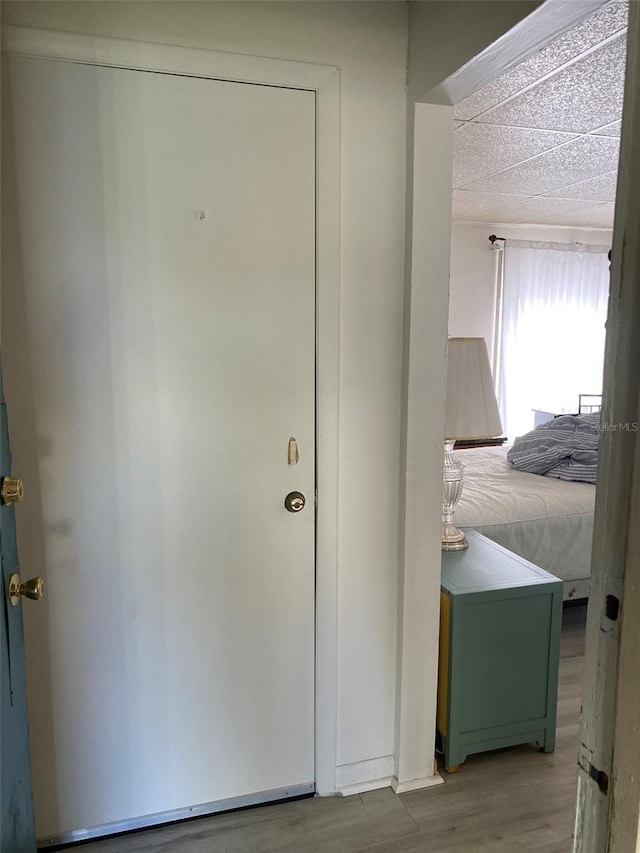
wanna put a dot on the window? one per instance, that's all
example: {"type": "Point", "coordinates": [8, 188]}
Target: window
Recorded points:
{"type": "Point", "coordinates": [554, 310]}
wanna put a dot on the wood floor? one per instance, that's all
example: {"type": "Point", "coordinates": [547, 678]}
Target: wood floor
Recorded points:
{"type": "Point", "coordinates": [502, 802]}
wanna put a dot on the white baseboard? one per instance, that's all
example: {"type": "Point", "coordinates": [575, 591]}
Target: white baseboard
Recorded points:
{"type": "Point", "coordinates": [416, 784]}
{"type": "Point", "coordinates": [363, 787]}
{"type": "Point", "coordinates": [362, 776]}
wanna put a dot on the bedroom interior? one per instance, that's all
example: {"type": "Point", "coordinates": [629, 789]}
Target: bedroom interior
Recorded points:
{"type": "Point", "coordinates": [535, 169]}
{"type": "Point", "coordinates": [535, 162]}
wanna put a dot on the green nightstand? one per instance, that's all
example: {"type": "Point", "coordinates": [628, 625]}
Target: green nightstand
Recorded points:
{"type": "Point", "coordinates": [500, 623]}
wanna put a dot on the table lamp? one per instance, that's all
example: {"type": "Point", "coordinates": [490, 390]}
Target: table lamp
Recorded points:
{"type": "Point", "coordinates": [471, 412]}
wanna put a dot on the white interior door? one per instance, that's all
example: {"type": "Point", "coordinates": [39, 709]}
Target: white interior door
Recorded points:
{"type": "Point", "coordinates": [159, 304]}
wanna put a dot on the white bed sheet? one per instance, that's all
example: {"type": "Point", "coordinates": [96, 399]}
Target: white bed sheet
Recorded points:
{"type": "Point", "coordinates": [544, 520]}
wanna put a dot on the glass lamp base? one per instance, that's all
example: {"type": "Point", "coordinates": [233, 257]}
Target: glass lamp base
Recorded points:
{"type": "Point", "coordinates": [453, 539]}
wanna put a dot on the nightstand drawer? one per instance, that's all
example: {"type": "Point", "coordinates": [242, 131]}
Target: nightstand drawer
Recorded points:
{"type": "Point", "coordinates": [499, 651]}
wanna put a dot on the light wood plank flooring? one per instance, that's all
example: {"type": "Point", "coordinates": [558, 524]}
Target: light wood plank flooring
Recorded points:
{"type": "Point", "coordinates": [501, 802]}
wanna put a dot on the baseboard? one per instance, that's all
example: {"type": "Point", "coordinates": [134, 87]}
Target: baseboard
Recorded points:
{"type": "Point", "coordinates": [362, 776]}
{"type": "Point", "coordinates": [147, 821]}
{"type": "Point", "coordinates": [416, 784]}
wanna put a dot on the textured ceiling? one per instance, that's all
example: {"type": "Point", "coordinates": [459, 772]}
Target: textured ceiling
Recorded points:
{"type": "Point", "coordinates": [540, 144]}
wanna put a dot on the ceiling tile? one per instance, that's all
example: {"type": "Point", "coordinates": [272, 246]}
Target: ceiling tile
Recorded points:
{"type": "Point", "coordinates": [612, 129]}
{"type": "Point", "coordinates": [578, 160]}
{"type": "Point", "coordinates": [530, 210]}
{"type": "Point", "coordinates": [601, 188]}
{"type": "Point", "coordinates": [482, 149]}
{"type": "Point", "coordinates": [582, 97]}
{"type": "Point", "coordinates": [467, 203]}
{"type": "Point", "coordinates": [605, 22]}
{"type": "Point", "coordinates": [597, 216]}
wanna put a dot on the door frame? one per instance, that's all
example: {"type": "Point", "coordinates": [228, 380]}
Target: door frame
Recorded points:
{"type": "Point", "coordinates": [324, 81]}
{"type": "Point", "coordinates": [608, 805]}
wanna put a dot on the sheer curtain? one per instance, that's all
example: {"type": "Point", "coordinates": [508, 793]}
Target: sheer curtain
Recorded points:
{"type": "Point", "coordinates": [554, 311]}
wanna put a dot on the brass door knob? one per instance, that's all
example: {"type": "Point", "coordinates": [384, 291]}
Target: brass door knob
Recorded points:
{"type": "Point", "coordinates": [33, 589]}
{"type": "Point", "coordinates": [11, 490]}
{"type": "Point", "coordinates": [294, 501]}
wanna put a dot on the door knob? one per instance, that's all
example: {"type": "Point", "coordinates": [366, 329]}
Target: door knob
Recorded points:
{"type": "Point", "coordinates": [33, 589]}
{"type": "Point", "coordinates": [294, 501]}
{"type": "Point", "coordinates": [11, 490]}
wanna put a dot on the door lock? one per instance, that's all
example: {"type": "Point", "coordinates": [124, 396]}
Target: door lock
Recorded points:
{"type": "Point", "coordinates": [33, 589]}
{"type": "Point", "coordinates": [294, 501]}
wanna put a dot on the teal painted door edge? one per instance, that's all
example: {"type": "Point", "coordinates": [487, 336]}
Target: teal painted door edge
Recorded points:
{"type": "Point", "coordinates": [17, 831]}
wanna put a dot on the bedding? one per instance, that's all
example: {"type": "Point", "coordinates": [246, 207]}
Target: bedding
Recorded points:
{"type": "Point", "coordinates": [543, 519]}
{"type": "Point", "coordinates": [565, 447]}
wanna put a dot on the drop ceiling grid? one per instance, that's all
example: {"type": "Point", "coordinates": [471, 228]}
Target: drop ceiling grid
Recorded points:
{"type": "Point", "coordinates": [578, 98]}
{"type": "Point", "coordinates": [605, 23]}
{"type": "Point", "coordinates": [545, 151]}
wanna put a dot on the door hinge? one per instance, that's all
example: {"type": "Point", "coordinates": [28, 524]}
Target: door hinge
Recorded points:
{"type": "Point", "coordinates": [612, 607]}
{"type": "Point", "coordinates": [599, 776]}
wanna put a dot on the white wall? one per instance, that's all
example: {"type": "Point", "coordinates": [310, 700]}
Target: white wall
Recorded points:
{"type": "Point", "coordinates": [431, 136]}
{"type": "Point", "coordinates": [473, 269]}
{"type": "Point", "coordinates": [369, 43]}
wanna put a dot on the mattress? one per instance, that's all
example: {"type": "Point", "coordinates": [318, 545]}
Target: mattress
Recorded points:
{"type": "Point", "coordinates": [544, 520]}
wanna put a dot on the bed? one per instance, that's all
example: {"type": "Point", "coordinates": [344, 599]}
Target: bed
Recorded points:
{"type": "Point", "coordinates": [544, 520]}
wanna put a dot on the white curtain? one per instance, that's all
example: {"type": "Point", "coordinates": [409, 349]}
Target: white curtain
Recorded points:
{"type": "Point", "coordinates": [554, 311]}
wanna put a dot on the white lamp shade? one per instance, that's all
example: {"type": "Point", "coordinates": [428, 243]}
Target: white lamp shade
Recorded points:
{"type": "Point", "coordinates": [471, 409]}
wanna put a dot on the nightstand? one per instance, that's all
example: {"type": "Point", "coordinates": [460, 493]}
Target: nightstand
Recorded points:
{"type": "Point", "coordinates": [500, 623]}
